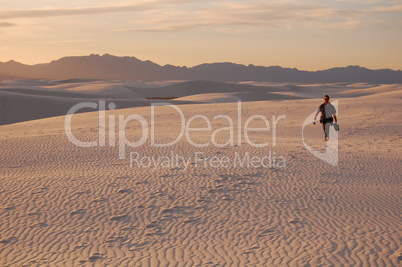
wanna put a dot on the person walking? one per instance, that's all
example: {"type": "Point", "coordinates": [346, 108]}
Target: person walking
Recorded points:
{"type": "Point", "coordinates": [328, 116]}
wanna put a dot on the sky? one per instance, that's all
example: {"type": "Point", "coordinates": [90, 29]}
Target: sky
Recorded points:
{"type": "Point", "coordinates": [303, 34]}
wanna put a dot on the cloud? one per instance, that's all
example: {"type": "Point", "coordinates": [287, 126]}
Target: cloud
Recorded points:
{"type": "Point", "coordinates": [182, 15]}
{"type": "Point", "coordinates": [166, 28]}
{"type": "Point", "coordinates": [92, 10]}
{"type": "Point", "coordinates": [6, 24]}
{"type": "Point", "coordinates": [387, 9]}
{"type": "Point", "coordinates": [226, 15]}
{"type": "Point", "coordinates": [257, 15]}
{"type": "Point", "coordinates": [74, 41]}
{"type": "Point", "coordinates": [345, 25]}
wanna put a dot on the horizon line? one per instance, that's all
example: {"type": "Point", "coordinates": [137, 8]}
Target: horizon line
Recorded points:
{"type": "Point", "coordinates": [205, 63]}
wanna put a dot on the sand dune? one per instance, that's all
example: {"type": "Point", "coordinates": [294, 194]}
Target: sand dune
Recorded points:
{"type": "Point", "coordinates": [22, 100]}
{"type": "Point", "coordinates": [84, 89]}
{"type": "Point", "coordinates": [202, 87]}
{"type": "Point", "coordinates": [18, 105]}
{"type": "Point", "coordinates": [62, 205]}
{"type": "Point", "coordinates": [212, 98]}
{"type": "Point", "coordinates": [243, 96]}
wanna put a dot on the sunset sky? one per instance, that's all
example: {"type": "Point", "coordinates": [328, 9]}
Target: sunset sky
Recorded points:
{"type": "Point", "coordinates": [305, 34]}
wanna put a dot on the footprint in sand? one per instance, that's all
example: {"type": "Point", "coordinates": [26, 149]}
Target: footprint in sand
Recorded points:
{"type": "Point", "coordinates": [95, 257]}
{"type": "Point", "coordinates": [191, 219]}
{"type": "Point", "coordinates": [42, 225]}
{"type": "Point", "coordinates": [79, 247]}
{"type": "Point", "coordinates": [153, 228]}
{"type": "Point", "coordinates": [153, 224]}
{"type": "Point", "coordinates": [83, 192]}
{"type": "Point", "coordinates": [10, 240]}
{"type": "Point", "coordinates": [113, 184]}
{"type": "Point", "coordinates": [203, 199]}
{"type": "Point", "coordinates": [119, 218]}
{"type": "Point", "coordinates": [251, 250]}
{"type": "Point", "coordinates": [79, 211]}
{"type": "Point", "coordinates": [399, 257]}
{"type": "Point", "coordinates": [221, 180]}
{"type": "Point", "coordinates": [267, 232]}
{"type": "Point", "coordinates": [99, 199]}
{"type": "Point", "coordinates": [43, 189]}
{"type": "Point", "coordinates": [137, 246]}
{"type": "Point", "coordinates": [123, 177]}
{"type": "Point", "coordinates": [295, 221]}
{"type": "Point", "coordinates": [226, 197]}
{"type": "Point", "coordinates": [178, 209]}
{"type": "Point", "coordinates": [124, 191]}
{"type": "Point", "coordinates": [119, 239]}
{"type": "Point", "coordinates": [34, 213]}
{"type": "Point", "coordinates": [247, 183]}
{"type": "Point", "coordinates": [128, 228]}
{"type": "Point", "coordinates": [320, 198]}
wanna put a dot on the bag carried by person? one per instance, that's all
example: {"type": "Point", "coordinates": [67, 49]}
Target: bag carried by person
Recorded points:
{"type": "Point", "coordinates": [336, 126]}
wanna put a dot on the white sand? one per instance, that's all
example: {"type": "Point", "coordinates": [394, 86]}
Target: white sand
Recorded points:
{"type": "Point", "coordinates": [62, 205]}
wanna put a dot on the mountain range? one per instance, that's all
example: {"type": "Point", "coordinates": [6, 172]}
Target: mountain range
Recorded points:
{"type": "Point", "coordinates": [130, 68]}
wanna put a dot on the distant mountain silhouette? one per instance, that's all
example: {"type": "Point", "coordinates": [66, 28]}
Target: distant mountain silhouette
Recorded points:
{"type": "Point", "coordinates": [130, 68]}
